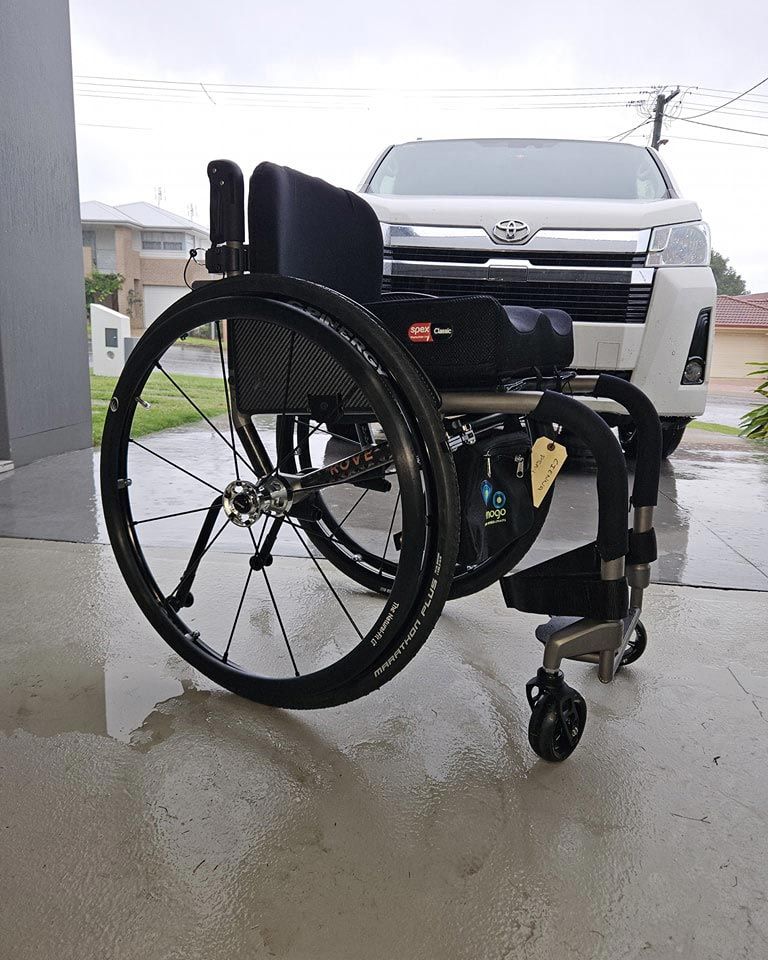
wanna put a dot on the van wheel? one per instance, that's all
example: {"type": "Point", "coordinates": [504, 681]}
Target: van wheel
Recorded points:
{"type": "Point", "coordinates": [672, 431]}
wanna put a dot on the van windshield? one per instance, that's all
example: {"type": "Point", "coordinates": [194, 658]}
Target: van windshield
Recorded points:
{"type": "Point", "coordinates": [519, 168]}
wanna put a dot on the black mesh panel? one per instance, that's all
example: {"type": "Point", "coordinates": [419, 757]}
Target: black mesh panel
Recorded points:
{"type": "Point", "coordinates": [277, 370]}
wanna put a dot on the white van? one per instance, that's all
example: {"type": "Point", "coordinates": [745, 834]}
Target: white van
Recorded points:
{"type": "Point", "coordinates": [597, 229]}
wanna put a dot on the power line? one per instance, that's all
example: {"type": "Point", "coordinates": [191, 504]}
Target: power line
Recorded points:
{"type": "Point", "coordinates": [194, 84]}
{"type": "Point", "coordinates": [758, 114]}
{"type": "Point", "coordinates": [302, 104]}
{"type": "Point", "coordinates": [111, 126]}
{"type": "Point", "coordinates": [724, 143]}
{"type": "Point", "coordinates": [716, 126]}
{"type": "Point", "coordinates": [727, 102]}
{"type": "Point", "coordinates": [718, 91]}
{"type": "Point", "coordinates": [620, 136]}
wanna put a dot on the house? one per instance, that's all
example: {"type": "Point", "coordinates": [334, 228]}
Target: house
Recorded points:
{"type": "Point", "coordinates": [741, 335]}
{"type": "Point", "coordinates": [149, 247]}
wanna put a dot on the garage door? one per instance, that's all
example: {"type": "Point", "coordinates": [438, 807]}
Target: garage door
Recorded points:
{"type": "Point", "coordinates": [734, 349]}
{"type": "Point", "coordinates": [157, 299]}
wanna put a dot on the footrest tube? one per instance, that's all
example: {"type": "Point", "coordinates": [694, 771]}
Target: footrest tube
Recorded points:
{"type": "Point", "coordinates": [568, 585]}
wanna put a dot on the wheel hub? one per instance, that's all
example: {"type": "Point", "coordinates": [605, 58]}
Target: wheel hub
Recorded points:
{"type": "Point", "coordinates": [244, 502]}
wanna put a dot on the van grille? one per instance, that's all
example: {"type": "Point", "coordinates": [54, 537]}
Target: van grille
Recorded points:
{"type": "Point", "coordinates": [585, 302]}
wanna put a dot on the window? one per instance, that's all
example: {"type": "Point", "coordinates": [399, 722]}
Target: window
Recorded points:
{"type": "Point", "coordinates": [519, 168]}
{"type": "Point", "coordinates": [89, 240]}
{"type": "Point", "coordinates": [162, 240]}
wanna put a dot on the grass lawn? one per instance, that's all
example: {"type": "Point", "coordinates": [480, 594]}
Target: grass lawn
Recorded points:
{"type": "Point", "coordinates": [715, 428]}
{"type": "Point", "coordinates": [167, 407]}
{"type": "Point", "coordinates": [199, 342]}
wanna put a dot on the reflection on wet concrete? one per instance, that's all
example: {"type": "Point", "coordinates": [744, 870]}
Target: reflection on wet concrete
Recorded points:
{"type": "Point", "coordinates": [711, 519]}
{"type": "Point", "coordinates": [185, 822]}
{"type": "Point", "coordinates": [729, 408]}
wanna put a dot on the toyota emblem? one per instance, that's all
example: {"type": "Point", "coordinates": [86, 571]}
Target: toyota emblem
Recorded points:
{"type": "Point", "coordinates": [511, 231]}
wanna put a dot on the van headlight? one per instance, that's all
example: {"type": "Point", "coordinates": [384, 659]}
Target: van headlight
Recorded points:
{"type": "Point", "coordinates": [679, 245]}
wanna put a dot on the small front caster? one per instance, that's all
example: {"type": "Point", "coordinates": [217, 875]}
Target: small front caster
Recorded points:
{"type": "Point", "coordinates": [635, 647]}
{"type": "Point", "coordinates": [558, 718]}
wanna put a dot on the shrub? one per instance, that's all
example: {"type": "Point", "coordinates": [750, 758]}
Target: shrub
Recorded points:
{"type": "Point", "coordinates": [754, 423]}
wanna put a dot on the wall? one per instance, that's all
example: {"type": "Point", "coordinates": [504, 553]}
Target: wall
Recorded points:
{"type": "Point", "coordinates": [44, 390]}
{"type": "Point", "coordinates": [128, 263]}
{"type": "Point", "coordinates": [171, 272]}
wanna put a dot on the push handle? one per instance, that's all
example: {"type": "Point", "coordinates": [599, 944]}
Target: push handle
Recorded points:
{"type": "Point", "coordinates": [612, 483]}
{"type": "Point", "coordinates": [645, 489]}
{"type": "Point", "coordinates": [227, 202]}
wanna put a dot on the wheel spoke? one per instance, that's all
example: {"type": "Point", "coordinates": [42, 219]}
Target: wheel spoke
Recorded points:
{"type": "Point", "coordinates": [237, 615]}
{"type": "Point", "coordinates": [330, 586]}
{"type": "Point", "coordinates": [172, 464]}
{"type": "Point", "coordinates": [280, 621]}
{"type": "Point", "coordinates": [229, 405]}
{"type": "Point", "coordinates": [338, 436]}
{"type": "Point", "coordinates": [350, 511]}
{"type": "Point", "coordinates": [211, 424]}
{"type": "Point", "coordinates": [389, 533]}
{"type": "Point", "coordinates": [167, 516]}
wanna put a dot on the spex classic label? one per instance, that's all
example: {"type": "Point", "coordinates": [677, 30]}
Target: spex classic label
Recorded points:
{"type": "Point", "coordinates": [429, 332]}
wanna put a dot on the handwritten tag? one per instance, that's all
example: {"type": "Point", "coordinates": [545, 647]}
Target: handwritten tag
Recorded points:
{"type": "Point", "coordinates": [547, 457]}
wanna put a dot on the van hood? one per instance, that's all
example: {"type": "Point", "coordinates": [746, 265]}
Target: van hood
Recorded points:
{"type": "Point", "coordinates": [538, 212]}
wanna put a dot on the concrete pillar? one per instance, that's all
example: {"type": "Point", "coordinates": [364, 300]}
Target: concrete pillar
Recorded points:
{"type": "Point", "coordinates": [44, 389]}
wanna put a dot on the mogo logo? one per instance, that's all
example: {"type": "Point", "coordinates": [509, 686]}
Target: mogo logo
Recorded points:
{"type": "Point", "coordinates": [495, 503]}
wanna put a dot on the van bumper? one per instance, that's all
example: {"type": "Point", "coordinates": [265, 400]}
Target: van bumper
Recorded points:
{"type": "Point", "coordinates": [655, 353]}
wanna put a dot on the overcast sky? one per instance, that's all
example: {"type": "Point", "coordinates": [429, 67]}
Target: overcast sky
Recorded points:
{"type": "Point", "coordinates": [395, 58]}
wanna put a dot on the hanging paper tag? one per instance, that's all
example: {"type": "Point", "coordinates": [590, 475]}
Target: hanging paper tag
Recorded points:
{"type": "Point", "coordinates": [547, 457]}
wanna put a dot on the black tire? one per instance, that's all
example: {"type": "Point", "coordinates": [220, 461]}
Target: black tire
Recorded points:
{"type": "Point", "coordinates": [557, 724]}
{"type": "Point", "coordinates": [672, 432]}
{"type": "Point", "coordinates": [424, 471]}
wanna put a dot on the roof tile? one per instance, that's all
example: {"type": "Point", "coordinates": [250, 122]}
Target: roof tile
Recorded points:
{"type": "Point", "coordinates": [750, 310]}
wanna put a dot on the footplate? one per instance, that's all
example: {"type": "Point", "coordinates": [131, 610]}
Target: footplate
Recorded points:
{"type": "Point", "coordinates": [591, 641]}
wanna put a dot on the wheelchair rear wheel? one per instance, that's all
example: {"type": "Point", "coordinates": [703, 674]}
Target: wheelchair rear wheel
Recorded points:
{"type": "Point", "coordinates": [213, 524]}
{"type": "Point", "coordinates": [336, 532]}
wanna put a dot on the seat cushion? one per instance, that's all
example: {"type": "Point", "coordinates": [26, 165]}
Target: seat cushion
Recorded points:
{"type": "Point", "coordinates": [474, 342]}
{"type": "Point", "coordinates": [536, 339]}
{"type": "Point", "coordinates": [301, 226]}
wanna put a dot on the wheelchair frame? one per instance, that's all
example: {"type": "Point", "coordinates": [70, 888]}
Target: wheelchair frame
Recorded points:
{"type": "Point", "coordinates": [592, 595]}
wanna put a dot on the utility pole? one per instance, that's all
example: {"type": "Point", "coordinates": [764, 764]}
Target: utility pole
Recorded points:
{"type": "Point", "coordinates": [658, 116]}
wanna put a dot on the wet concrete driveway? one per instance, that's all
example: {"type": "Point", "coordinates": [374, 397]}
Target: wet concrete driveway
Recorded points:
{"type": "Point", "coordinates": [146, 814]}
{"type": "Point", "coordinates": [711, 518]}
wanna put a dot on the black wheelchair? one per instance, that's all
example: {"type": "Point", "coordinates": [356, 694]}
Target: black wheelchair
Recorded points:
{"type": "Point", "coordinates": [367, 457]}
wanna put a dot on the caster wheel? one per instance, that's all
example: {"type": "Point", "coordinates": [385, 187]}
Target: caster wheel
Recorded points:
{"type": "Point", "coordinates": [636, 646]}
{"type": "Point", "coordinates": [558, 718]}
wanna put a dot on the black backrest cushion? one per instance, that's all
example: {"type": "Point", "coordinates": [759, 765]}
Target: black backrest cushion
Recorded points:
{"type": "Point", "coordinates": [300, 226]}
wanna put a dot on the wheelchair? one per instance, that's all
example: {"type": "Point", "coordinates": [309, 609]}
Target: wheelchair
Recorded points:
{"type": "Point", "coordinates": [368, 458]}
